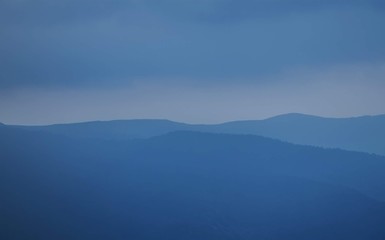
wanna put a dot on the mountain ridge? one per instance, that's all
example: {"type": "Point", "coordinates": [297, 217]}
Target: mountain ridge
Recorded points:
{"type": "Point", "coordinates": [186, 185]}
{"type": "Point", "coordinates": [363, 133]}
{"type": "Point", "coordinates": [293, 114]}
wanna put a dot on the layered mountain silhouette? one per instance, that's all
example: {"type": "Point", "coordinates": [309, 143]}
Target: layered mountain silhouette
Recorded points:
{"type": "Point", "coordinates": [185, 185]}
{"type": "Point", "coordinates": [366, 133]}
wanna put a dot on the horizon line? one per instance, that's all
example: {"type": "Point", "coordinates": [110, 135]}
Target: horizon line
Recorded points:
{"type": "Point", "coordinates": [190, 123]}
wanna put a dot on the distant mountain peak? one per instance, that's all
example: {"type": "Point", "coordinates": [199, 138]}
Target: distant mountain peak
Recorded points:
{"type": "Point", "coordinates": [293, 116]}
{"type": "Point", "coordinates": [364, 133]}
{"type": "Point", "coordinates": [115, 121]}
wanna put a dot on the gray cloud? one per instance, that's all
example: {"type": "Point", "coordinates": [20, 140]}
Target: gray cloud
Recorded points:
{"type": "Point", "coordinates": [189, 60]}
{"type": "Point", "coordinates": [47, 12]}
{"type": "Point", "coordinates": [340, 91]}
{"type": "Point", "coordinates": [85, 43]}
{"type": "Point", "coordinates": [199, 61]}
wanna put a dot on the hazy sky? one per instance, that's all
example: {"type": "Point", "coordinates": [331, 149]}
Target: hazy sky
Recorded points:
{"type": "Point", "coordinates": [194, 61]}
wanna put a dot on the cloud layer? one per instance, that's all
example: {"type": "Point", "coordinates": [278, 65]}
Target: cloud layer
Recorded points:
{"type": "Point", "coordinates": [335, 92]}
{"type": "Point", "coordinates": [75, 43]}
{"type": "Point", "coordinates": [190, 60]}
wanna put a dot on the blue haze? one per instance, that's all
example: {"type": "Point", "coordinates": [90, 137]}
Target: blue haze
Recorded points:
{"type": "Point", "coordinates": [186, 185]}
{"type": "Point", "coordinates": [193, 61]}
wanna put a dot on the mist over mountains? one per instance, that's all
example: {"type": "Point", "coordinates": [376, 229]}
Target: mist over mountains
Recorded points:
{"type": "Point", "coordinates": [366, 133]}
{"type": "Point", "coordinates": [142, 64]}
{"type": "Point", "coordinates": [62, 182]}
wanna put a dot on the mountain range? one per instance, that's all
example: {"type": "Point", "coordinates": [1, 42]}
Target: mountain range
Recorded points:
{"type": "Point", "coordinates": [184, 185]}
{"type": "Point", "coordinates": [365, 133]}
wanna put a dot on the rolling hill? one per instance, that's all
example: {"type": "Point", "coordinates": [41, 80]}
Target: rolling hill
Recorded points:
{"type": "Point", "coordinates": [186, 185]}
{"type": "Point", "coordinates": [366, 133]}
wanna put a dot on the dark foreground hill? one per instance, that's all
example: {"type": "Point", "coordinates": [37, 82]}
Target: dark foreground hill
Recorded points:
{"type": "Point", "coordinates": [366, 134]}
{"type": "Point", "coordinates": [186, 185]}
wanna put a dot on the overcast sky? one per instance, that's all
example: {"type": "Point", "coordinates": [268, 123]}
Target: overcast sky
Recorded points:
{"type": "Point", "coordinates": [198, 61]}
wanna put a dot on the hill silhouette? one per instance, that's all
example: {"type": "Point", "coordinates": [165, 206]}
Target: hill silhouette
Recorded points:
{"type": "Point", "coordinates": [366, 133]}
{"type": "Point", "coordinates": [186, 185]}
